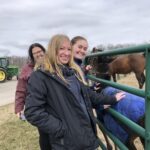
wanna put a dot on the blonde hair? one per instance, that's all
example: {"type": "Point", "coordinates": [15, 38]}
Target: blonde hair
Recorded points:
{"type": "Point", "coordinates": [51, 64]}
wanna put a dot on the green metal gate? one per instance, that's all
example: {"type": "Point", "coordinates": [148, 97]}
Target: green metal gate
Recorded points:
{"type": "Point", "coordinates": [145, 133]}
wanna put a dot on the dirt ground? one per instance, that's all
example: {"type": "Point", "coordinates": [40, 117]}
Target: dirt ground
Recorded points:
{"type": "Point", "coordinates": [7, 92]}
{"type": "Point", "coordinates": [7, 96]}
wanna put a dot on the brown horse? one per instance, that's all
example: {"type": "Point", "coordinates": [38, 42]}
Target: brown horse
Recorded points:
{"type": "Point", "coordinates": [128, 63]}
{"type": "Point", "coordinates": [122, 64]}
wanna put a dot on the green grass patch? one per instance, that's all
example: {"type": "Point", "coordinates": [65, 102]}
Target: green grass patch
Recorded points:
{"type": "Point", "coordinates": [18, 135]}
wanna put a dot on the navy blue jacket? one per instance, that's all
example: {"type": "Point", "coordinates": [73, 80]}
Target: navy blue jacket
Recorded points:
{"type": "Point", "coordinates": [131, 106]}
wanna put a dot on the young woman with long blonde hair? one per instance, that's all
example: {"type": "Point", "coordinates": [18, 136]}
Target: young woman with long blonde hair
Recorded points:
{"type": "Point", "coordinates": [60, 104]}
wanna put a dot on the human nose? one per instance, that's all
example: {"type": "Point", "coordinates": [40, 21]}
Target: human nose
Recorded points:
{"type": "Point", "coordinates": [67, 52]}
{"type": "Point", "coordinates": [40, 54]}
{"type": "Point", "coordinates": [82, 50]}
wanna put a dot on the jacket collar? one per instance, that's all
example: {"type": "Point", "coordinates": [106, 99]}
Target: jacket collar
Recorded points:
{"type": "Point", "coordinates": [55, 77]}
{"type": "Point", "coordinates": [78, 61]}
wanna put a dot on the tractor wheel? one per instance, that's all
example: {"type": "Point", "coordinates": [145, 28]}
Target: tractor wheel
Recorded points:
{"type": "Point", "coordinates": [3, 75]}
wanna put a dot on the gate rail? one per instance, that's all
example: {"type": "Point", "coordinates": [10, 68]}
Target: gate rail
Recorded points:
{"type": "Point", "coordinates": [145, 133]}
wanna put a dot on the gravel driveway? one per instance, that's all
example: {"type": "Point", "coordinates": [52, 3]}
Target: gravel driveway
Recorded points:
{"type": "Point", "coordinates": [7, 92]}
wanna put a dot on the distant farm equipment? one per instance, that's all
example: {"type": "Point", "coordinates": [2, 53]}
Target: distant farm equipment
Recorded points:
{"type": "Point", "coordinates": [7, 71]}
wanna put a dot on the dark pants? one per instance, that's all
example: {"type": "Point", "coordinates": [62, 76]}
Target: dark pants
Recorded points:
{"type": "Point", "coordinates": [44, 141]}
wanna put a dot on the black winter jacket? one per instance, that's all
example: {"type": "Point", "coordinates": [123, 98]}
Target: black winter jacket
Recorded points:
{"type": "Point", "coordinates": [54, 109]}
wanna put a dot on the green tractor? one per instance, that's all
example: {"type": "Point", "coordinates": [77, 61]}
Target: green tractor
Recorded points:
{"type": "Point", "coordinates": [7, 71]}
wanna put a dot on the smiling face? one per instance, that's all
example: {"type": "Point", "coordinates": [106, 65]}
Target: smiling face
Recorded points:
{"type": "Point", "coordinates": [37, 53]}
{"type": "Point", "coordinates": [64, 53]}
{"type": "Point", "coordinates": [80, 49]}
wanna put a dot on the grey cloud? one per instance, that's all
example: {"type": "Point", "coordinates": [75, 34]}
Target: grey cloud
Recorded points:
{"type": "Point", "coordinates": [100, 21]}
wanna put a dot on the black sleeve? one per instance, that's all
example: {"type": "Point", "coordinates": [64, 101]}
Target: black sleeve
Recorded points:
{"type": "Point", "coordinates": [98, 99]}
{"type": "Point", "coordinates": [35, 108]}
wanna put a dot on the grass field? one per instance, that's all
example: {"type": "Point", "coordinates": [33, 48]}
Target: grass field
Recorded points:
{"type": "Point", "coordinates": [19, 135]}
{"type": "Point", "coordinates": [14, 133]}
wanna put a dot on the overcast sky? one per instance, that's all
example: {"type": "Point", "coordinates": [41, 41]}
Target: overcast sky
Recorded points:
{"type": "Point", "coordinates": [23, 22]}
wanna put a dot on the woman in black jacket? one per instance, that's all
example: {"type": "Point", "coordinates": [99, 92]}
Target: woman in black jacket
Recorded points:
{"type": "Point", "coordinates": [60, 103]}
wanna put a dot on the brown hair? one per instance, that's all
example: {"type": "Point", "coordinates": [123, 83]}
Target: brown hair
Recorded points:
{"type": "Point", "coordinates": [77, 38]}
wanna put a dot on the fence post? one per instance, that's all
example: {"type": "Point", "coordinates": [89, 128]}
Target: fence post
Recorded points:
{"type": "Point", "coordinates": [147, 98]}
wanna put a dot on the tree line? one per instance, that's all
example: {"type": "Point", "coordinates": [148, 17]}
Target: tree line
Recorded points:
{"type": "Point", "coordinates": [20, 61]}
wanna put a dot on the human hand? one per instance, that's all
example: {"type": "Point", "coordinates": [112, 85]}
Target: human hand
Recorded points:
{"type": "Point", "coordinates": [106, 106]}
{"type": "Point", "coordinates": [88, 67]}
{"type": "Point", "coordinates": [19, 114]}
{"type": "Point", "coordinates": [120, 95]}
{"type": "Point", "coordinates": [97, 86]}
{"type": "Point", "coordinates": [22, 117]}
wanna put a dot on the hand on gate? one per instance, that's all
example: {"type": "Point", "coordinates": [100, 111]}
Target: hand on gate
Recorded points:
{"type": "Point", "coordinates": [120, 95]}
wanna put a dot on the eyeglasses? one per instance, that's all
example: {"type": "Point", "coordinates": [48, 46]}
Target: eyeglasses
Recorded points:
{"type": "Point", "coordinates": [35, 53]}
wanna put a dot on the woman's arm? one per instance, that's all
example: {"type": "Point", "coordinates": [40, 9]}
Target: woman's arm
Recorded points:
{"type": "Point", "coordinates": [21, 90]}
{"type": "Point", "coordinates": [35, 108]}
{"type": "Point", "coordinates": [101, 99]}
